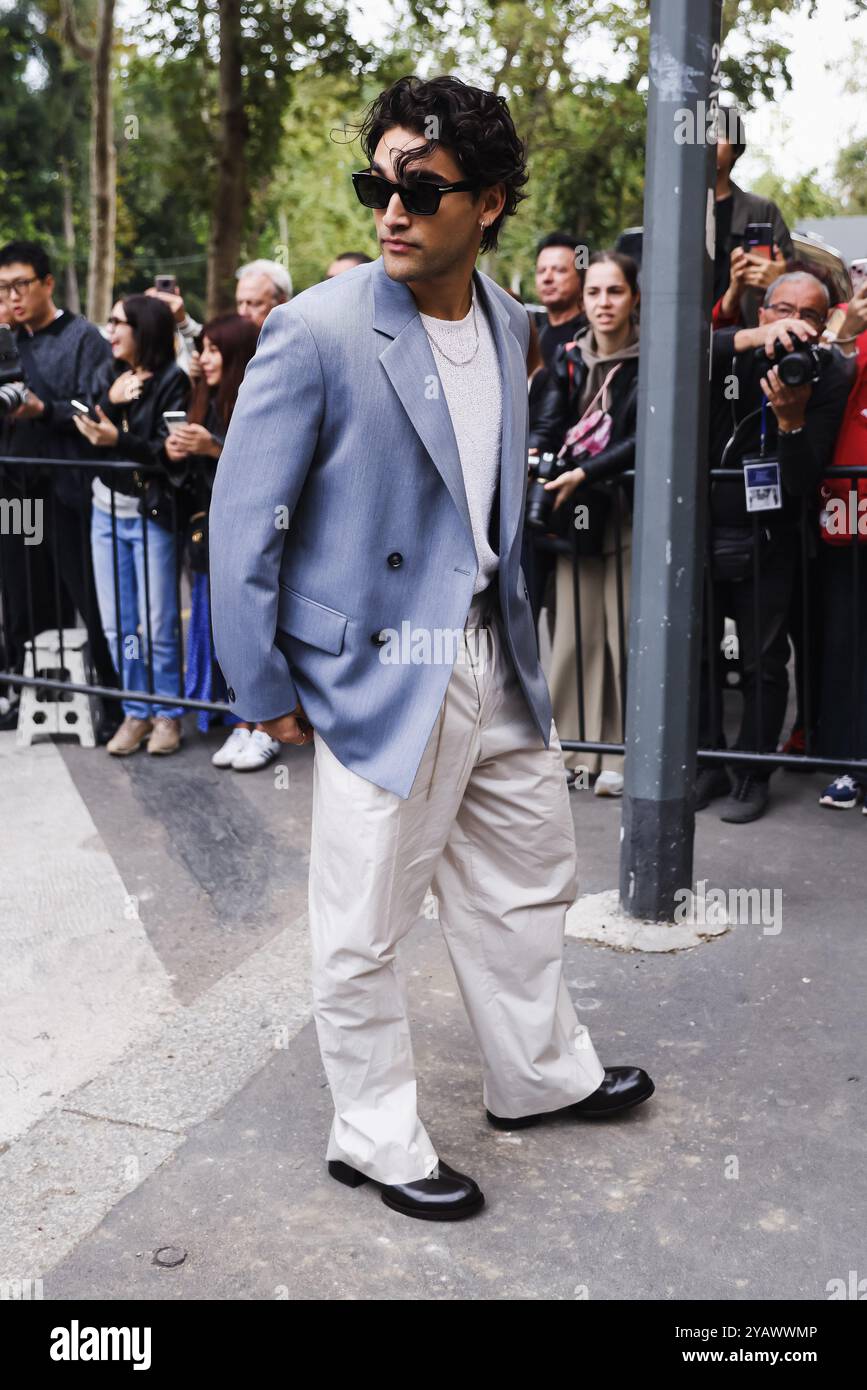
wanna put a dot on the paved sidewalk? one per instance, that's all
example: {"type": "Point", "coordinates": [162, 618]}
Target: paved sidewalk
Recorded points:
{"type": "Point", "coordinates": [196, 1115]}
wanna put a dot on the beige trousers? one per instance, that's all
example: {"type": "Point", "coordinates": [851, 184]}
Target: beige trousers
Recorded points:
{"type": "Point", "coordinates": [600, 648]}
{"type": "Point", "coordinates": [488, 826]}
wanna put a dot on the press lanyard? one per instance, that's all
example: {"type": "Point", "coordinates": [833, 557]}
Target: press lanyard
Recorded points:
{"type": "Point", "coordinates": [762, 484]}
{"type": "Point", "coordinates": [763, 441]}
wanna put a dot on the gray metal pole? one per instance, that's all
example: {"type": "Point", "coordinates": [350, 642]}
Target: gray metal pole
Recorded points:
{"type": "Point", "coordinates": [671, 458]}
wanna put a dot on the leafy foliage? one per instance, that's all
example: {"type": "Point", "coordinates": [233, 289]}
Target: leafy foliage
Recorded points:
{"type": "Point", "coordinates": [573, 71]}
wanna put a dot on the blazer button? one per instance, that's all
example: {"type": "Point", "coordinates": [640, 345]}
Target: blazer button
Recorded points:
{"type": "Point", "coordinates": [395, 559]}
{"type": "Point", "coordinates": [377, 639]}
{"type": "Point", "coordinates": [231, 694]}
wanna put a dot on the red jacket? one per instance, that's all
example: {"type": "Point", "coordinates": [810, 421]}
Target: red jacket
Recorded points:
{"type": "Point", "coordinates": [851, 451]}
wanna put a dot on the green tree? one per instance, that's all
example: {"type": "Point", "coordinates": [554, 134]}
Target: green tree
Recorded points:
{"type": "Point", "coordinates": [798, 198]}
{"type": "Point", "coordinates": [310, 213]}
{"type": "Point", "coordinates": [575, 75]}
{"type": "Point", "coordinates": [241, 60]}
{"type": "Point", "coordinates": [850, 173]}
{"type": "Point", "coordinates": [43, 142]}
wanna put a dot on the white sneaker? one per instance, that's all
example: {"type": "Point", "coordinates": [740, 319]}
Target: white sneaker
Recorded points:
{"type": "Point", "coordinates": [259, 751]}
{"type": "Point", "coordinates": [608, 784]}
{"type": "Point", "coordinates": [235, 743]}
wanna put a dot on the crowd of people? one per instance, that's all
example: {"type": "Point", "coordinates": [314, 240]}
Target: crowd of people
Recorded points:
{"type": "Point", "coordinates": [804, 591]}
{"type": "Point", "coordinates": [155, 388]}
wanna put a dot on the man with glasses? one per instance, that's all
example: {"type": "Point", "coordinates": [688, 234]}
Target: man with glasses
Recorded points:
{"type": "Point", "coordinates": [386, 411]}
{"type": "Point", "coordinates": [60, 353]}
{"type": "Point", "coordinates": [777, 440]}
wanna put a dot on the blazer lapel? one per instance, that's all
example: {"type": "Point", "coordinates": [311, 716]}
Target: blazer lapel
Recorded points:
{"type": "Point", "coordinates": [408, 360]}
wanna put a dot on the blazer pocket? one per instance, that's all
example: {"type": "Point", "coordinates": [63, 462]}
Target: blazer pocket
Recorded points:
{"type": "Point", "coordinates": [310, 622]}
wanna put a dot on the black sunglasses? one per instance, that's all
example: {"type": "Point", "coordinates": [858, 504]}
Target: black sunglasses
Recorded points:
{"type": "Point", "coordinates": [421, 199]}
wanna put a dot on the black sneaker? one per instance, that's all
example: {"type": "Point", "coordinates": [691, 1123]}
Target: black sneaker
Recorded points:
{"type": "Point", "coordinates": [748, 801]}
{"type": "Point", "coordinates": [711, 783]}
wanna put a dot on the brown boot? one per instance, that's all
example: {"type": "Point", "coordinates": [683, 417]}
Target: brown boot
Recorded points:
{"type": "Point", "coordinates": [129, 737]}
{"type": "Point", "coordinates": [166, 737]}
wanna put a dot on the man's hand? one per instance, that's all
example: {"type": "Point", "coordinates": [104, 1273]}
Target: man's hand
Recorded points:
{"type": "Point", "coordinates": [790, 332]}
{"type": "Point", "coordinates": [31, 409]}
{"type": "Point", "coordinates": [288, 728]}
{"type": "Point", "coordinates": [789, 403]}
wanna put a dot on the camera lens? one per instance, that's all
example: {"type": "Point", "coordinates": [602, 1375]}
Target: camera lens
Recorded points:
{"type": "Point", "coordinates": [796, 369]}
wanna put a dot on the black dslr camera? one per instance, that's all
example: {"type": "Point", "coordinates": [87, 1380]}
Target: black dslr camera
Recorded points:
{"type": "Point", "coordinates": [798, 365]}
{"type": "Point", "coordinates": [539, 502]}
{"type": "Point", "coordinates": [13, 391]}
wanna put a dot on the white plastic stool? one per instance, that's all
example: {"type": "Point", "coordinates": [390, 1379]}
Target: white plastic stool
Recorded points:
{"type": "Point", "coordinates": [56, 711]}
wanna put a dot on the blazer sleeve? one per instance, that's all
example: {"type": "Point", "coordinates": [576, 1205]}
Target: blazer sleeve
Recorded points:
{"type": "Point", "coordinates": [267, 453]}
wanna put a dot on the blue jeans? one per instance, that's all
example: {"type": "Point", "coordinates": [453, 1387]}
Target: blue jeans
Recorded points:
{"type": "Point", "coordinates": [133, 610]}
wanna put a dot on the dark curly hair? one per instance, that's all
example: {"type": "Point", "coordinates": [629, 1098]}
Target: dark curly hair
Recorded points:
{"type": "Point", "coordinates": [474, 125]}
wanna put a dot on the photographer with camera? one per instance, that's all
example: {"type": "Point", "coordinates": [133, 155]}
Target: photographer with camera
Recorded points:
{"type": "Point", "coordinates": [777, 401]}
{"type": "Point", "coordinates": [26, 585]}
{"type": "Point", "coordinates": [60, 355]}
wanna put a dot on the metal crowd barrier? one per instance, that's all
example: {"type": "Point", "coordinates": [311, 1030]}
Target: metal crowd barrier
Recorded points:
{"type": "Point", "coordinates": [806, 569]}
{"type": "Point", "coordinates": [31, 472]}
{"type": "Point", "coordinates": [31, 480]}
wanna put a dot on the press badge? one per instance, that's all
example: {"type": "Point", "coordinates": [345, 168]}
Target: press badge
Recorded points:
{"type": "Point", "coordinates": [762, 484]}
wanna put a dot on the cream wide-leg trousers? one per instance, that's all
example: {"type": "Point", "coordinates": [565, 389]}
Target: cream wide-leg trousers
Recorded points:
{"type": "Point", "coordinates": [488, 827]}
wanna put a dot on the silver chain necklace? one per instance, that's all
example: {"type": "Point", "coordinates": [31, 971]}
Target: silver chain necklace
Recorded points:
{"type": "Point", "coordinates": [454, 361]}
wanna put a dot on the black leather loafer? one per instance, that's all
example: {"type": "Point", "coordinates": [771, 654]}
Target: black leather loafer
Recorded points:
{"type": "Point", "coordinates": [622, 1087]}
{"type": "Point", "coordinates": [450, 1197]}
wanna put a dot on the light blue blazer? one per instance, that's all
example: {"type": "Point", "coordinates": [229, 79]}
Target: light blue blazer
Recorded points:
{"type": "Point", "coordinates": [339, 516]}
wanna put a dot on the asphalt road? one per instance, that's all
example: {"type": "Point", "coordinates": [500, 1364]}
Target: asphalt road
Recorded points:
{"type": "Point", "coordinates": [161, 1084]}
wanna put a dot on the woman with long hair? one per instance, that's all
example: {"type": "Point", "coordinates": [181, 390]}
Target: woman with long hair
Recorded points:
{"type": "Point", "coordinates": [226, 345]}
{"type": "Point", "coordinates": [135, 550]}
{"type": "Point", "coordinates": [600, 370]}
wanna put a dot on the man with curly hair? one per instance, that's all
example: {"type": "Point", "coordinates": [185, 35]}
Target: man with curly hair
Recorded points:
{"type": "Point", "coordinates": [368, 598]}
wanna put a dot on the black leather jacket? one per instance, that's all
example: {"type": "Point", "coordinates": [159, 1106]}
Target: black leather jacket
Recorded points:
{"type": "Point", "coordinates": [557, 410]}
{"type": "Point", "coordinates": [140, 423]}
